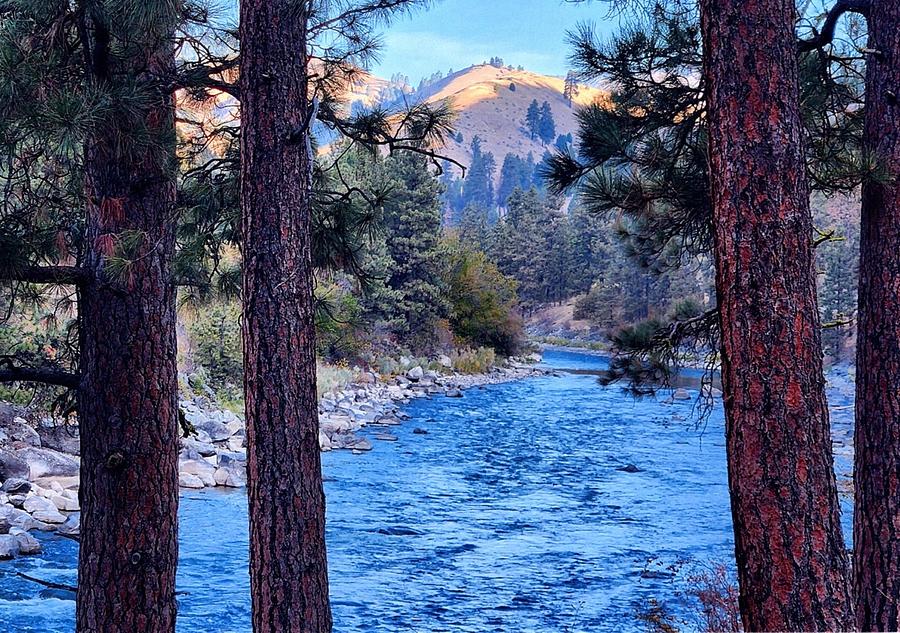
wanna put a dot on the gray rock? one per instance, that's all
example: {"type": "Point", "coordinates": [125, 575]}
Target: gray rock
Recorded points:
{"type": "Point", "coordinates": [9, 546]}
{"type": "Point", "coordinates": [16, 486]}
{"type": "Point", "coordinates": [231, 477]}
{"type": "Point", "coordinates": [21, 431]}
{"type": "Point", "coordinates": [336, 424]}
{"type": "Point", "coordinates": [13, 517]}
{"type": "Point", "coordinates": [454, 393]}
{"type": "Point", "coordinates": [237, 460]}
{"type": "Point", "coordinates": [630, 468]}
{"type": "Point", "coordinates": [415, 374]}
{"type": "Point", "coordinates": [64, 503]}
{"type": "Point", "coordinates": [216, 430]}
{"type": "Point", "coordinates": [28, 545]}
{"type": "Point", "coordinates": [235, 443]}
{"type": "Point", "coordinates": [37, 503]}
{"type": "Point", "coordinates": [681, 394]}
{"type": "Point", "coordinates": [186, 480]}
{"type": "Point", "coordinates": [361, 444]}
{"type": "Point", "coordinates": [202, 470]}
{"type": "Point", "coordinates": [51, 517]}
{"type": "Point", "coordinates": [187, 454]}
{"type": "Point", "coordinates": [445, 361]}
{"type": "Point", "coordinates": [234, 425]}
{"type": "Point", "coordinates": [385, 437]}
{"type": "Point", "coordinates": [12, 466]}
{"type": "Point", "coordinates": [202, 448]}
{"type": "Point", "coordinates": [72, 526]}
{"type": "Point", "coordinates": [418, 431]}
{"type": "Point", "coordinates": [17, 500]}
{"type": "Point", "coordinates": [62, 437]}
{"type": "Point", "coordinates": [45, 462]}
{"type": "Point", "coordinates": [324, 441]}
{"type": "Point", "coordinates": [202, 437]}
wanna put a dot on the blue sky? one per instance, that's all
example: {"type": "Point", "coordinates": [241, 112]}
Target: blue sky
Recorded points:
{"type": "Point", "coordinates": [459, 33]}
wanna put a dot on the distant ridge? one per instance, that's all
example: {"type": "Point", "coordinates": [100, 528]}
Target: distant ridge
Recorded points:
{"type": "Point", "coordinates": [491, 103]}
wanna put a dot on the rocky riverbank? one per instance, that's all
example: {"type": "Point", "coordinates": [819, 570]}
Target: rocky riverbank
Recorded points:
{"type": "Point", "coordinates": [39, 457]}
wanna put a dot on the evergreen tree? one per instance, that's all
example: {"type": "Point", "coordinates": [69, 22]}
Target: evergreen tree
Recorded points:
{"type": "Point", "coordinates": [519, 245]}
{"type": "Point", "coordinates": [279, 101]}
{"type": "Point", "coordinates": [546, 124]}
{"type": "Point", "coordinates": [89, 189]}
{"type": "Point", "coordinates": [772, 380]}
{"type": "Point", "coordinates": [570, 87]}
{"type": "Point", "coordinates": [533, 119]}
{"type": "Point", "coordinates": [646, 159]}
{"type": "Point", "coordinates": [412, 220]}
{"type": "Point", "coordinates": [515, 172]}
{"type": "Point", "coordinates": [474, 228]}
{"type": "Point", "coordinates": [479, 183]}
{"type": "Point", "coordinates": [876, 555]}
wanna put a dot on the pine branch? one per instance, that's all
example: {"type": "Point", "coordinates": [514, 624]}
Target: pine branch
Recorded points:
{"type": "Point", "coordinates": [16, 373]}
{"type": "Point", "coordinates": [357, 13]}
{"type": "Point", "coordinates": [826, 36]}
{"type": "Point", "coordinates": [61, 275]}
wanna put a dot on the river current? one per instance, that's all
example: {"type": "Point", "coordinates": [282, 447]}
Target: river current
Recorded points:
{"type": "Point", "coordinates": [509, 515]}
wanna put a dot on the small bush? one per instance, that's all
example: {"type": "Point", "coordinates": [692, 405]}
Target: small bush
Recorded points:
{"type": "Point", "coordinates": [477, 361]}
{"type": "Point", "coordinates": [331, 378]}
{"type": "Point", "coordinates": [717, 592]}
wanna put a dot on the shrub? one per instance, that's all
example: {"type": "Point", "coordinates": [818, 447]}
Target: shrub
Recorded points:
{"type": "Point", "coordinates": [330, 378]}
{"type": "Point", "coordinates": [595, 306]}
{"type": "Point", "coordinates": [216, 344]}
{"type": "Point", "coordinates": [484, 302]}
{"type": "Point", "coordinates": [469, 361]}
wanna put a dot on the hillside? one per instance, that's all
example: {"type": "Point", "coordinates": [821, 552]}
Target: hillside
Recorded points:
{"type": "Point", "coordinates": [491, 103]}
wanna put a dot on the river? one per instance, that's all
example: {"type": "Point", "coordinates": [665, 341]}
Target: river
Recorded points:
{"type": "Point", "coordinates": [509, 515]}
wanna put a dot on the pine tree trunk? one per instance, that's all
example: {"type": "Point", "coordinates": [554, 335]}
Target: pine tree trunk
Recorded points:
{"type": "Point", "coordinates": [876, 527]}
{"type": "Point", "coordinates": [792, 565]}
{"type": "Point", "coordinates": [128, 394]}
{"type": "Point", "coordinates": [288, 569]}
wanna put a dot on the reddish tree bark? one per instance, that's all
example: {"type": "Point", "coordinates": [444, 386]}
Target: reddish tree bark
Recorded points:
{"type": "Point", "coordinates": [876, 526]}
{"type": "Point", "coordinates": [792, 565]}
{"type": "Point", "coordinates": [288, 569]}
{"type": "Point", "coordinates": [127, 400]}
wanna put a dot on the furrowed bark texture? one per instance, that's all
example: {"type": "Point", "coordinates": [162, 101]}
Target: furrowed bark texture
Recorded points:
{"type": "Point", "coordinates": [876, 526]}
{"type": "Point", "coordinates": [288, 569]}
{"type": "Point", "coordinates": [792, 566]}
{"type": "Point", "coordinates": [127, 399]}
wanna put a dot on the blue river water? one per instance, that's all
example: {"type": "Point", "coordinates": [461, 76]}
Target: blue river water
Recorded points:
{"type": "Point", "coordinates": [509, 515]}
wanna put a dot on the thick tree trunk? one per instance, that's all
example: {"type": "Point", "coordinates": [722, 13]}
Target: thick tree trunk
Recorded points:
{"type": "Point", "coordinates": [876, 527]}
{"type": "Point", "coordinates": [792, 565]}
{"type": "Point", "coordinates": [288, 569]}
{"type": "Point", "coordinates": [128, 393]}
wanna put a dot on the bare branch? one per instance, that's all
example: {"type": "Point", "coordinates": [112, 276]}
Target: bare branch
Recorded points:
{"type": "Point", "coordinates": [47, 583]}
{"type": "Point", "coordinates": [826, 36]}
